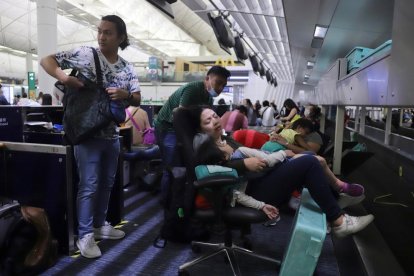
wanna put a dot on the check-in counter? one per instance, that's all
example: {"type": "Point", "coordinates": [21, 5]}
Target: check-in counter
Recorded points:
{"type": "Point", "coordinates": [45, 176]}
{"type": "Point", "coordinates": [27, 124]}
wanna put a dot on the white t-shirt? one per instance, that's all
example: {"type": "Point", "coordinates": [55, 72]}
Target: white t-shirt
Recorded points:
{"type": "Point", "coordinates": [268, 119]}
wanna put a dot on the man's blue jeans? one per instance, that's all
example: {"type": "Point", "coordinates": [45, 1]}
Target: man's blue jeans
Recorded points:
{"type": "Point", "coordinates": [97, 162]}
{"type": "Point", "coordinates": [167, 141]}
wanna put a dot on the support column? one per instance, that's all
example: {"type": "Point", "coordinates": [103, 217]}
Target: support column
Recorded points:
{"type": "Point", "coordinates": [362, 115]}
{"type": "Point", "coordinates": [357, 119]}
{"type": "Point", "coordinates": [388, 126]}
{"type": "Point", "coordinates": [46, 40]}
{"type": "Point", "coordinates": [339, 137]}
{"type": "Point", "coordinates": [323, 119]}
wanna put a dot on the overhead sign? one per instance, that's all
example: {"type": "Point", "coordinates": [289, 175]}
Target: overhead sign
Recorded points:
{"type": "Point", "coordinates": [31, 81]}
{"type": "Point", "coordinates": [225, 62]}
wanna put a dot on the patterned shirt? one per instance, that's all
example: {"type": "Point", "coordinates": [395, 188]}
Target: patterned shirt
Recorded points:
{"type": "Point", "coordinates": [120, 74]}
{"type": "Point", "coordinates": [193, 93]}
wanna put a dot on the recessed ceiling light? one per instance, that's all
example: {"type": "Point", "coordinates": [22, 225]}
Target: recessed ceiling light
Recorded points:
{"type": "Point", "coordinates": [310, 64]}
{"type": "Point", "coordinates": [320, 31]}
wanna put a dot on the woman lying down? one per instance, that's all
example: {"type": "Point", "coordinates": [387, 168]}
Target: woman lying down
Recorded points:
{"type": "Point", "coordinates": [272, 187]}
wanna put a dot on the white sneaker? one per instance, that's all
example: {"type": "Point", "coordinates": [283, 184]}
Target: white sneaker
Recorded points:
{"type": "Point", "coordinates": [107, 231]}
{"type": "Point", "coordinates": [294, 202]}
{"type": "Point", "coordinates": [88, 247]}
{"type": "Point", "coordinates": [351, 225]}
{"type": "Point", "coordinates": [345, 200]}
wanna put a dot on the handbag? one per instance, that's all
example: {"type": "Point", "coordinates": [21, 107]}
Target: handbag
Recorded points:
{"type": "Point", "coordinates": [148, 135]}
{"type": "Point", "coordinates": [87, 109]}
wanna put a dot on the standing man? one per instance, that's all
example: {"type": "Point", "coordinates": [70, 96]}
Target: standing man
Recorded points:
{"type": "Point", "coordinates": [3, 100]}
{"type": "Point", "coordinates": [97, 157]}
{"type": "Point", "coordinates": [193, 93]}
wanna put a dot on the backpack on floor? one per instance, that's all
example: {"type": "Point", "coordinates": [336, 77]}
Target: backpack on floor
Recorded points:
{"type": "Point", "coordinates": [16, 239]}
{"type": "Point", "coordinates": [178, 225]}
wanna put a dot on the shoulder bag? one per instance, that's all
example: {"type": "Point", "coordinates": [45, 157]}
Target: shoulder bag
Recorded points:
{"type": "Point", "coordinates": [86, 109]}
{"type": "Point", "coordinates": [148, 134]}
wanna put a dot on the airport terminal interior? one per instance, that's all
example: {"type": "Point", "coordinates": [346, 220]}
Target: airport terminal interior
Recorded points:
{"type": "Point", "coordinates": [327, 82]}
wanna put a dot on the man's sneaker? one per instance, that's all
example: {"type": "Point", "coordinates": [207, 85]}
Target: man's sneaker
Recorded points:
{"type": "Point", "coordinates": [345, 200]}
{"type": "Point", "coordinates": [88, 247]}
{"type": "Point", "coordinates": [107, 231]}
{"type": "Point", "coordinates": [352, 189]}
{"type": "Point", "coordinates": [351, 225]}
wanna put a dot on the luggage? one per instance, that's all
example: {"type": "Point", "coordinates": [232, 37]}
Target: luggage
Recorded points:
{"type": "Point", "coordinates": [306, 241]}
{"type": "Point", "coordinates": [21, 252]}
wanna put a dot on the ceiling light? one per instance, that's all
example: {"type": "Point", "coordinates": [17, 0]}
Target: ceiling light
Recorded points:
{"type": "Point", "coordinates": [320, 31]}
{"type": "Point", "coordinates": [307, 76]}
{"type": "Point", "coordinates": [305, 82]}
{"type": "Point", "coordinates": [310, 64]}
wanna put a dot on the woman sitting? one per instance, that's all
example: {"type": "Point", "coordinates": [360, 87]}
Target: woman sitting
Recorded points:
{"type": "Point", "coordinates": [275, 186]}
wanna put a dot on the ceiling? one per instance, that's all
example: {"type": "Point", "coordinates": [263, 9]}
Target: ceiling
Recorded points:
{"type": "Point", "coordinates": [279, 31]}
{"type": "Point", "coordinates": [365, 23]}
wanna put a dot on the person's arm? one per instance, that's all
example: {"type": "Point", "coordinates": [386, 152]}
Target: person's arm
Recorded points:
{"type": "Point", "coordinates": [135, 100]}
{"type": "Point", "coordinates": [51, 66]}
{"type": "Point", "coordinates": [292, 114]}
{"type": "Point", "coordinates": [300, 141]}
{"type": "Point", "coordinates": [241, 198]}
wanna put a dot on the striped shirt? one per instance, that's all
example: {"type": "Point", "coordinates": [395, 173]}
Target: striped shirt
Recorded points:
{"type": "Point", "coordinates": [193, 93]}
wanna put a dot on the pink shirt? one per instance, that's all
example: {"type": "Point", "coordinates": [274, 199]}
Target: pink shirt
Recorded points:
{"type": "Point", "coordinates": [233, 120]}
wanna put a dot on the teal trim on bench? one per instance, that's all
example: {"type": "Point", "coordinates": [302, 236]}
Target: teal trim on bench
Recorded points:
{"type": "Point", "coordinates": [307, 238]}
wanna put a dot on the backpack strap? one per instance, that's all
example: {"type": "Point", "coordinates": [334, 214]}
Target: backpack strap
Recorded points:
{"type": "Point", "coordinates": [129, 114]}
{"type": "Point", "coordinates": [99, 79]}
{"type": "Point", "coordinates": [132, 119]}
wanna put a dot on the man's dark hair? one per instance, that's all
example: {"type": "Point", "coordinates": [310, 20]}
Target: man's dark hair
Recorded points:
{"type": "Point", "coordinates": [219, 71]}
{"type": "Point", "coordinates": [120, 28]}
{"type": "Point", "coordinates": [304, 123]}
{"type": "Point", "coordinates": [265, 103]}
{"type": "Point", "coordinates": [46, 99]}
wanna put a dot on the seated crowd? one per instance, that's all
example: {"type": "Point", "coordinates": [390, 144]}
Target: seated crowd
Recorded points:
{"type": "Point", "coordinates": [272, 177]}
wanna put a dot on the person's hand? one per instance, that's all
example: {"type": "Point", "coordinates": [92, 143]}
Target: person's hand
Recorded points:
{"type": "Point", "coordinates": [287, 124]}
{"type": "Point", "coordinates": [271, 211]}
{"type": "Point", "coordinates": [117, 93]}
{"type": "Point", "coordinates": [289, 153]}
{"type": "Point", "coordinates": [278, 138]}
{"type": "Point", "coordinates": [254, 164]}
{"type": "Point", "coordinates": [72, 81]}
